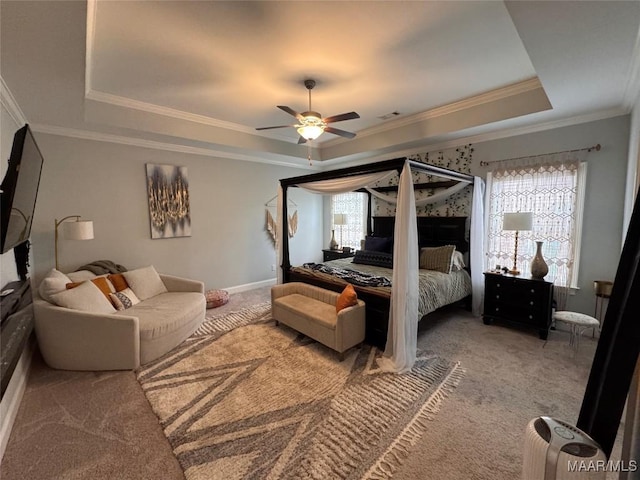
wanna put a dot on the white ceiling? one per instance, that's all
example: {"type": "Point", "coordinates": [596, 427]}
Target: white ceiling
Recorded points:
{"type": "Point", "coordinates": [202, 75]}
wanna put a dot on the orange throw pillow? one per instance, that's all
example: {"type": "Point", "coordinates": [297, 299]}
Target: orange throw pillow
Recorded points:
{"type": "Point", "coordinates": [119, 282]}
{"type": "Point", "coordinates": [99, 282]}
{"type": "Point", "coordinates": [347, 298]}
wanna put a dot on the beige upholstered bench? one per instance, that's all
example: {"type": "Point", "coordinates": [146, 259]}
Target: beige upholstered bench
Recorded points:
{"type": "Point", "coordinates": [311, 310]}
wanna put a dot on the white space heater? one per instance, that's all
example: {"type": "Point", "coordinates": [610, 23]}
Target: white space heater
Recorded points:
{"type": "Point", "coordinates": [555, 450]}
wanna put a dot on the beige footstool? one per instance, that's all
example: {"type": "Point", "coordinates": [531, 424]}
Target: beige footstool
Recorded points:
{"type": "Point", "coordinates": [578, 322]}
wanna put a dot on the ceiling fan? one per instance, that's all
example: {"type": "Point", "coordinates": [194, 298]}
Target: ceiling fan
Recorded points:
{"type": "Point", "coordinates": [310, 124]}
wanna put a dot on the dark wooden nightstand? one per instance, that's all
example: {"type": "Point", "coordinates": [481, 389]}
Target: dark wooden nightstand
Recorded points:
{"type": "Point", "coordinates": [519, 300]}
{"type": "Point", "coordinates": [335, 254]}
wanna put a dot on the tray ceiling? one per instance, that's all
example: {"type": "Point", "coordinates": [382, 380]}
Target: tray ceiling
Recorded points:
{"type": "Point", "coordinates": [203, 74]}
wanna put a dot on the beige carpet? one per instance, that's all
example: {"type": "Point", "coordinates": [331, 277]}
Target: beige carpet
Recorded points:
{"type": "Point", "coordinates": [99, 426]}
{"type": "Point", "coordinates": [245, 399]}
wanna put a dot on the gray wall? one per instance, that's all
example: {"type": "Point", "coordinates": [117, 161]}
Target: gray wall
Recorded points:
{"type": "Point", "coordinates": [605, 191]}
{"type": "Point", "coordinates": [106, 183]}
{"type": "Point", "coordinates": [229, 247]}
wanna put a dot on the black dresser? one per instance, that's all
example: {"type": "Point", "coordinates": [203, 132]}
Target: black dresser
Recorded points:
{"type": "Point", "coordinates": [336, 254]}
{"type": "Point", "coordinates": [517, 299]}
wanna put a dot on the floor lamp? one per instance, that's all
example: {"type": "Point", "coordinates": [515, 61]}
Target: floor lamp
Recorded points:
{"type": "Point", "coordinates": [340, 219]}
{"type": "Point", "coordinates": [520, 221]}
{"type": "Point", "coordinates": [78, 230]}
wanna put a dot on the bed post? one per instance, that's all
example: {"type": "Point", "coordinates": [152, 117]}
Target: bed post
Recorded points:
{"type": "Point", "coordinates": [285, 236]}
{"type": "Point", "coordinates": [369, 230]}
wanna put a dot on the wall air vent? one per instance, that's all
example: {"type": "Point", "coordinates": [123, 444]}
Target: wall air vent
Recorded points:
{"type": "Point", "coordinates": [387, 116]}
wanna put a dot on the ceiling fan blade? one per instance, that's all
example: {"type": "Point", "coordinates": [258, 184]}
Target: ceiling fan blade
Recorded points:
{"type": "Point", "coordinates": [337, 131]}
{"type": "Point", "coordinates": [291, 111]}
{"type": "Point", "coordinates": [302, 140]}
{"type": "Point", "coordinates": [341, 117]}
{"type": "Point", "coordinates": [278, 126]}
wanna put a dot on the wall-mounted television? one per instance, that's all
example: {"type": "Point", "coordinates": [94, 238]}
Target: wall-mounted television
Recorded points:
{"type": "Point", "coordinates": [19, 190]}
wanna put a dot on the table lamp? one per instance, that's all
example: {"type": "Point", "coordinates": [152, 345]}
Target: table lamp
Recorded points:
{"type": "Point", "coordinates": [518, 222]}
{"type": "Point", "coordinates": [340, 219]}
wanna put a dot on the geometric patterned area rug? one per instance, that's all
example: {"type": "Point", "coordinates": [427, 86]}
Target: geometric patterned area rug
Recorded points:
{"type": "Point", "coordinates": [244, 399]}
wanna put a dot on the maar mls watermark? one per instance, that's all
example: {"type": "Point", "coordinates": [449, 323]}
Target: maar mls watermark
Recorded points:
{"type": "Point", "coordinates": [602, 466]}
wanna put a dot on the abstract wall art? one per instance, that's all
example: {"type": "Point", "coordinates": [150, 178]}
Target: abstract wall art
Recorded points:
{"type": "Point", "coordinates": [168, 195]}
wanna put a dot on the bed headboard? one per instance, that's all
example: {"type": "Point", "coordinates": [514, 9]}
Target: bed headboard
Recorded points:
{"type": "Point", "coordinates": [432, 231]}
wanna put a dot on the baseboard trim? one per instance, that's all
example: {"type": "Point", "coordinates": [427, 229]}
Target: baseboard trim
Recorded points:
{"type": "Point", "coordinates": [251, 286]}
{"type": "Point", "coordinates": [13, 395]}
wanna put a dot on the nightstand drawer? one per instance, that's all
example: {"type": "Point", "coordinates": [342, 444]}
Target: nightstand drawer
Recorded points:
{"type": "Point", "coordinates": [517, 286]}
{"type": "Point", "coordinates": [519, 299]}
{"type": "Point", "coordinates": [522, 314]}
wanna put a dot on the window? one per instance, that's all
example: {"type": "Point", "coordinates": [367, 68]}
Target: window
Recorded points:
{"type": "Point", "coordinates": [553, 193]}
{"type": "Point", "coordinates": [353, 206]}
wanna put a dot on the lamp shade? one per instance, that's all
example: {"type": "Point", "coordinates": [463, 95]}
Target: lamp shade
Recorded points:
{"type": "Point", "coordinates": [310, 132]}
{"type": "Point", "coordinates": [517, 221]}
{"type": "Point", "coordinates": [79, 230]}
{"type": "Point", "coordinates": [339, 219]}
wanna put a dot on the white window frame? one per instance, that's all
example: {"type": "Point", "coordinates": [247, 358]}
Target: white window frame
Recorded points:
{"type": "Point", "coordinates": [581, 182]}
{"type": "Point", "coordinates": [363, 226]}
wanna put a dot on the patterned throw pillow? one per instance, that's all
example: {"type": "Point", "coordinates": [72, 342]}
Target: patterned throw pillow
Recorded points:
{"type": "Point", "coordinates": [124, 299]}
{"type": "Point", "coordinates": [378, 259]}
{"type": "Point", "coordinates": [438, 259]}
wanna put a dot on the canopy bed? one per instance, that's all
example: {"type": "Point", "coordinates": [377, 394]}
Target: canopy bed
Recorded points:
{"type": "Point", "coordinates": [393, 314]}
{"type": "Point", "coordinates": [435, 289]}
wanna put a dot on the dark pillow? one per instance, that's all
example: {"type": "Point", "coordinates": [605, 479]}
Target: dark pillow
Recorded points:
{"type": "Point", "coordinates": [378, 259]}
{"type": "Point", "coordinates": [378, 244]}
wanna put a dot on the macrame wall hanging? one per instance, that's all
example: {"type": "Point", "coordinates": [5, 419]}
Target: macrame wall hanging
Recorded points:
{"type": "Point", "coordinates": [271, 226]}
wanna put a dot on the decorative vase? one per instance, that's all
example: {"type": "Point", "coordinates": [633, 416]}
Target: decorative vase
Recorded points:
{"type": "Point", "coordinates": [539, 267]}
{"type": "Point", "coordinates": [333, 245]}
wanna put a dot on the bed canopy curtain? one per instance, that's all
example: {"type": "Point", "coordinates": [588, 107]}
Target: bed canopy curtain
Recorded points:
{"type": "Point", "coordinates": [400, 352]}
{"type": "Point", "coordinates": [477, 240]}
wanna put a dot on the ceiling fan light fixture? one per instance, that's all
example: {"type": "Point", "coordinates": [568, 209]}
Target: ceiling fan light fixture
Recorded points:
{"type": "Point", "coordinates": [311, 126]}
{"type": "Point", "coordinates": [310, 132]}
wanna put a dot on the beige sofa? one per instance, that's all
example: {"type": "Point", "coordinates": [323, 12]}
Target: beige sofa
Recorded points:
{"type": "Point", "coordinates": [312, 310]}
{"type": "Point", "coordinates": [72, 339]}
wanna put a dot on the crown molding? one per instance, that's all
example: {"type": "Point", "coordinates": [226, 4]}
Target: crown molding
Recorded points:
{"type": "Point", "coordinates": [477, 100]}
{"type": "Point", "coordinates": [95, 95]}
{"type": "Point", "coordinates": [483, 137]}
{"type": "Point", "coordinates": [170, 147]}
{"type": "Point", "coordinates": [541, 127]}
{"type": "Point", "coordinates": [174, 113]}
{"type": "Point", "coordinates": [487, 97]}
{"type": "Point", "coordinates": [10, 104]}
{"type": "Point", "coordinates": [325, 164]}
